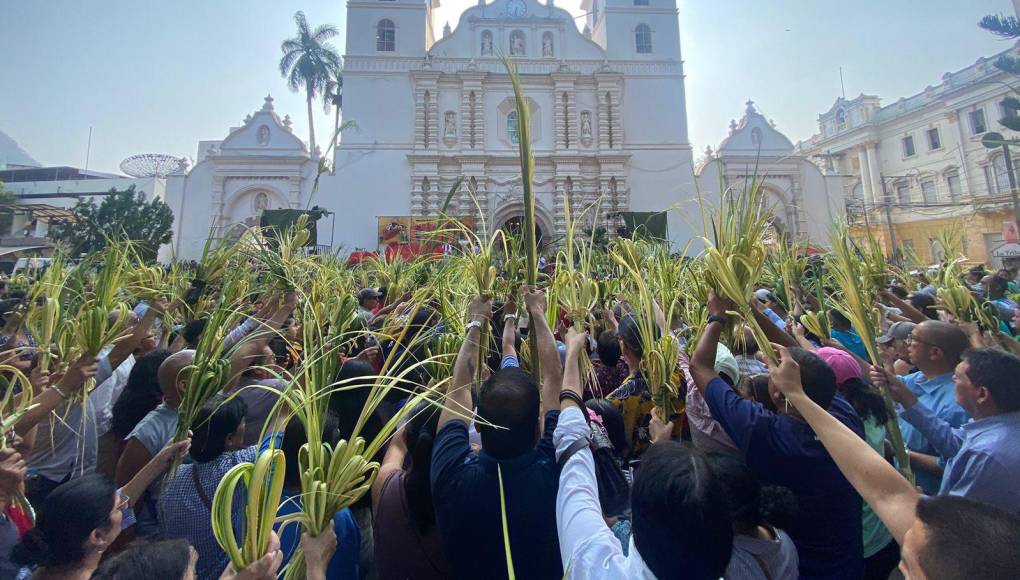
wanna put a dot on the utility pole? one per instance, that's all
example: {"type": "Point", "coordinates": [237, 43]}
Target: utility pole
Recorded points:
{"type": "Point", "coordinates": [888, 219]}
{"type": "Point", "coordinates": [1012, 184]}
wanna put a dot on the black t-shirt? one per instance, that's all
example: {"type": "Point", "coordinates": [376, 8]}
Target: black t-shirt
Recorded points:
{"type": "Point", "coordinates": [465, 492]}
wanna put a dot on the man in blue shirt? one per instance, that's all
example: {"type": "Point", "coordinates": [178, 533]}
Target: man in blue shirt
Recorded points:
{"type": "Point", "coordinates": [843, 332]}
{"type": "Point", "coordinates": [982, 457]}
{"type": "Point", "coordinates": [935, 348]}
{"type": "Point", "coordinates": [518, 459]}
{"type": "Point", "coordinates": [782, 449]}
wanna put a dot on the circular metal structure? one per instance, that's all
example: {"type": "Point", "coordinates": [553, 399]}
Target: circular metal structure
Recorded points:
{"type": "Point", "coordinates": [153, 165]}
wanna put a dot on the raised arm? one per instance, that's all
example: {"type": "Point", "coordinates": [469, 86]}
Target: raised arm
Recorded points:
{"type": "Point", "coordinates": [509, 338]}
{"type": "Point", "coordinates": [703, 359]}
{"type": "Point", "coordinates": [908, 309]}
{"type": "Point", "coordinates": [392, 462]}
{"type": "Point", "coordinates": [799, 332]}
{"type": "Point", "coordinates": [945, 438]}
{"type": "Point", "coordinates": [773, 332]}
{"type": "Point", "coordinates": [124, 347]}
{"type": "Point", "coordinates": [241, 358]}
{"type": "Point", "coordinates": [458, 396]}
{"type": "Point", "coordinates": [548, 354]}
{"type": "Point", "coordinates": [135, 488]}
{"type": "Point", "coordinates": [892, 497]}
{"type": "Point", "coordinates": [576, 342]}
{"type": "Point", "coordinates": [51, 398]}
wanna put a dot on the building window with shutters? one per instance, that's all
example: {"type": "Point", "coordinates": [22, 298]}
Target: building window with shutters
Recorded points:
{"type": "Point", "coordinates": [928, 191]}
{"type": "Point", "coordinates": [908, 146]}
{"type": "Point", "coordinates": [977, 122]}
{"type": "Point", "coordinates": [903, 193]}
{"type": "Point", "coordinates": [954, 186]}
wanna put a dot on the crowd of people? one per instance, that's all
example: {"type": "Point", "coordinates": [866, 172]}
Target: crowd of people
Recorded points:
{"type": "Point", "coordinates": [544, 452]}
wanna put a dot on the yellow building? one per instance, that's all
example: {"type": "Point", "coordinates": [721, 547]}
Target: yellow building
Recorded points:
{"type": "Point", "coordinates": [919, 162]}
{"type": "Point", "coordinates": [982, 232]}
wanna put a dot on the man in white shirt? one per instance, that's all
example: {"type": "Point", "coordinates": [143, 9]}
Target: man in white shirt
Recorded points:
{"type": "Point", "coordinates": [680, 525]}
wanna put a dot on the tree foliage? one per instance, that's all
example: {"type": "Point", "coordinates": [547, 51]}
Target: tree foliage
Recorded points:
{"type": "Point", "coordinates": [124, 215]}
{"type": "Point", "coordinates": [1006, 27]}
{"type": "Point", "coordinates": [311, 63]}
{"type": "Point", "coordinates": [6, 216]}
{"type": "Point", "coordinates": [1000, 25]}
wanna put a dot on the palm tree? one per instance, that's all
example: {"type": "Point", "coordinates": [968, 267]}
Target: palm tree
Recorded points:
{"type": "Point", "coordinates": [310, 62]}
{"type": "Point", "coordinates": [333, 97]}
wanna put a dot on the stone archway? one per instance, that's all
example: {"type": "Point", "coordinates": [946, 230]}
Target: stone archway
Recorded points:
{"type": "Point", "coordinates": [512, 215]}
{"type": "Point", "coordinates": [246, 205]}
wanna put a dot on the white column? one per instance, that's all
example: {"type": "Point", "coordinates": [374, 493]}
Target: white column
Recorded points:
{"type": "Point", "coordinates": [862, 162]}
{"type": "Point", "coordinates": [876, 171]}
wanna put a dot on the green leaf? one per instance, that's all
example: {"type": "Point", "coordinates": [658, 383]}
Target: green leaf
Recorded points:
{"type": "Point", "coordinates": [506, 529]}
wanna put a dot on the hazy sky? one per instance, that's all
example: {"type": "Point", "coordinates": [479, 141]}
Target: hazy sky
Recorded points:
{"type": "Point", "coordinates": [159, 76]}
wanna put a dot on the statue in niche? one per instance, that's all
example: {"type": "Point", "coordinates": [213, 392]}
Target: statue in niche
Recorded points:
{"type": "Point", "coordinates": [450, 124]}
{"type": "Point", "coordinates": [756, 137]}
{"type": "Point", "coordinates": [262, 135]}
{"type": "Point", "coordinates": [517, 43]}
{"type": "Point", "coordinates": [547, 45]}
{"type": "Point", "coordinates": [486, 43]}
{"type": "Point", "coordinates": [261, 202]}
{"type": "Point", "coordinates": [586, 124]}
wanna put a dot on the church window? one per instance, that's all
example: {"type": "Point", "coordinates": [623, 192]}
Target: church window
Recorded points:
{"type": "Point", "coordinates": [486, 43]}
{"type": "Point", "coordinates": [609, 117]}
{"type": "Point", "coordinates": [566, 121]}
{"type": "Point", "coordinates": [472, 117]}
{"type": "Point", "coordinates": [511, 127]}
{"type": "Point", "coordinates": [517, 46]}
{"type": "Point", "coordinates": [643, 39]}
{"type": "Point", "coordinates": [385, 36]}
{"type": "Point", "coordinates": [426, 117]}
{"type": "Point", "coordinates": [840, 120]}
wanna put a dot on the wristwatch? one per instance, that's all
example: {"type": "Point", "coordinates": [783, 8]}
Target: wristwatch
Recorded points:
{"type": "Point", "coordinates": [717, 318]}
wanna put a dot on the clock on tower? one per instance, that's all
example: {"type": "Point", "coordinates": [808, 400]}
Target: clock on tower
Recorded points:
{"type": "Point", "coordinates": [516, 8]}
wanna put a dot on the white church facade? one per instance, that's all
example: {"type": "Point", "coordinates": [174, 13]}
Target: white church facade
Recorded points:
{"type": "Point", "coordinates": [804, 202]}
{"type": "Point", "coordinates": [608, 124]}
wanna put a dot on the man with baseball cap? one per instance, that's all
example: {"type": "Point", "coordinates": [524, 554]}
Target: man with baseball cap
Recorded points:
{"type": "Point", "coordinates": [368, 301]}
{"type": "Point", "coordinates": [896, 339]}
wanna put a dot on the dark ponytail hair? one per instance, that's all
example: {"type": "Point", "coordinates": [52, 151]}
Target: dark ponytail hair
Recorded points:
{"type": "Point", "coordinates": [65, 521]}
{"type": "Point", "coordinates": [216, 420]}
{"type": "Point", "coordinates": [752, 504]}
{"type": "Point", "coordinates": [612, 420]}
{"type": "Point", "coordinates": [865, 399]}
{"type": "Point", "coordinates": [294, 437]}
{"type": "Point", "coordinates": [164, 559]}
{"type": "Point", "coordinates": [141, 393]}
{"type": "Point", "coordinates": [420, 432]}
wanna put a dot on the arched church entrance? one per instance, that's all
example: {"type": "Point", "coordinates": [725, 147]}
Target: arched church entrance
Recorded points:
{"type": "Point", "coordinates": [515, 226]}
{"type": "Point", "coordinates": [510, 218]}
